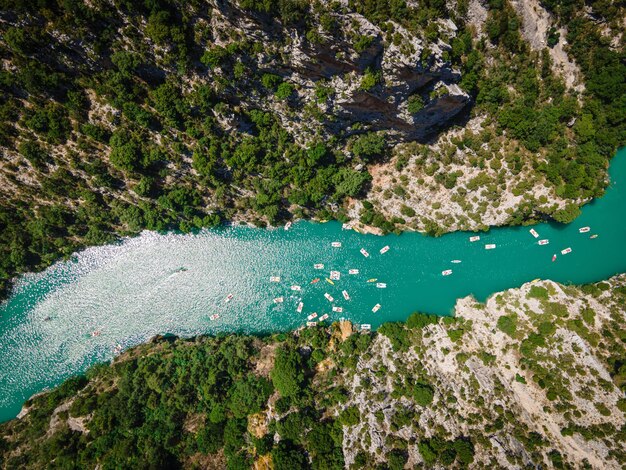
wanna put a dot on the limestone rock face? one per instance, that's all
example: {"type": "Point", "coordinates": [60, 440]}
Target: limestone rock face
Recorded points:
{"type": "Point", "coordinates": [402, 68]}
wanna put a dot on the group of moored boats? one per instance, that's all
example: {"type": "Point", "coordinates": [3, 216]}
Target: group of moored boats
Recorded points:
{"type": "Point", "coordinates": [564, 251]}
{"type": "Point", "coordinates": [312, 318]}
{"type": "Point", "coordinates": [534, 233]}
{"type": "Point", "coordinates": [336, 276]}
{"type": "Point", "coordinates": [331, 279]}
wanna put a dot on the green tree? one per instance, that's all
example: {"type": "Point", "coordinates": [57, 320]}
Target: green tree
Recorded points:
{"type": "Point", "coordinates": [285, 456]}
{"type": "Point", "coordinates": [397, 334]}
{"type": "Point", "coordinates": [420, 320]}
{"type": "Point", "coordinates": [423, 393]}
{"type": "Point", "coordinates": [507, 324]}
{"type": "Point", "coordinates": [271, 81]}
{"type": "Point", "coordinates": [362, 42]}
{"type": "Point", "coordinates": [249, 395]}
{"type": "Point", "coordinates": [415, 104]}
{"type": "Point", "coordinates": [464, 450]}
{"type": "Point", "coordinates": [167, 101]}
{"type": "Point", "coordinates": [51, 122]}
{"type": "Point", "coordinates": [284, 91]}
{"type": "Point", "coordinates": [126, 151]}
{"type": "Point", "coordinates": [34, 153]}
{"type": "Point", "coordinates": [397, 459]}
{"type": "Point", "coordinates": [368, 146]}
{"type": "Point", "coordinates": [287, 374]}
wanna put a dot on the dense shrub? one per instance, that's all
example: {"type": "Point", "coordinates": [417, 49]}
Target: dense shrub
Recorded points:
{"type": "Point", "coordinates": [287, 375]}
{"type": "Point", "coordinates": [368, 146]}
{"type": "Point", "coordinates": [423, 394]}
{"type": "Point", "coordinates": [507, 324]}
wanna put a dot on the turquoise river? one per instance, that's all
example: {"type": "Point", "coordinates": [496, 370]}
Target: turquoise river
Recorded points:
{"type": "Point", "coordinates": [59, 322]}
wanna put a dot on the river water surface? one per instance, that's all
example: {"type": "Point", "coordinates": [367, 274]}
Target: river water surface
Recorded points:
{"type": "Point", "coordinates": [59, 322]}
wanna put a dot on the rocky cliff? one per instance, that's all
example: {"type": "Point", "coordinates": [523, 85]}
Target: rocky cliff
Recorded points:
{"type": "Point", "coordinates": [398, 69]}
{"type": "Point", "coordinates": [534, 377]}
{"type": "Point", "coordinates": [120, 116]}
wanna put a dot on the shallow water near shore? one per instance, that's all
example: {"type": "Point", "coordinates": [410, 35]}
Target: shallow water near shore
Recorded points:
{"type": "Point", "coordinates": [156, 284]}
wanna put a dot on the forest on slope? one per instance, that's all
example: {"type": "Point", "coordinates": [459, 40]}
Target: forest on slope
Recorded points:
{"type": "Point", "coordinates": [118, 116]}
{"type": "Point", "coordinates": [535, 377]}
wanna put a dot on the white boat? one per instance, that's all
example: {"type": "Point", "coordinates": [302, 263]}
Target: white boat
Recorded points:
{"type": "Point", "coordinates": [345, 295]}
{"type": "Point", "coordinates": [299, 309]}
{"type": "Point", "coordinates": [353, 271]}
{"type": "Point", "coordinates": [584, 229]}
{"type": "Point", "coordinates": [595, 235]}
{"type": "Point", "coordinates": [456, 261]}
{"type": "Point", "coordinates": [279, 300]}
{"type": "Point", "coordinates": [275, 279]}
{"type": "Point", "coordinates": [384, 250]}
{"type": "Point", "coordinates": [336, 244]}
{"type": "Point", "coordinates": [490, 246]}
{"type": "Point", "coordinates": [566, 251]}
{"type": "Point", "coordinates": [475, 238]}
{"type": "Point", "coordinates": [228, 298]}
{"type": "Point", "coordinates": [376, 308]}
{"type": "Point", "coordinates": [318, 266]}
{"type": "Point", "coordinates": [335, 275]}
{"type": "Point", "coordinates": [364, 252]}
{"type": "Point", "coordinates": [296, 288]}
{"type": "Point", "coordinates": [366, 327]}
{"type": "Point", "coordinates": [324, 317]}
{"type": "Point", "coordinates": [381, 285]}
{"type": "Point", "coordinates": [329, 297]}
{"type": "Point", "coordinates": [311, 323]}
{"type": "Point", "coordinates": [287, 225]}
{"type": "Point", "coordinates": [312, 316]}
{"type": "Point", "coordinates": [215, 316]}
{"type": "Point", "coordinates": [534, 233]}
{"type": "Point", "coordinates": [346, 227]}
{"type": "Point", "coordinates": [544, 241]}
{"type": "Point", "coordinates": [338, 309]}
{"type": "Point", "coordinates": [447, 272]}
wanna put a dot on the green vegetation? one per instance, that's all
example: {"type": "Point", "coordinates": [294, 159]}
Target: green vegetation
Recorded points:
{"type": "Point", "coordinates": [507, 324]}
{"type": "Point", "coordinates": [415, 104]}
{"type": "Point", "coordinates": [538, 292]}
{"type": "Point", "coordinates": [172, 402]}
{"type": "Point", "coordinates": [423, 394]}
{"type": "Point", "coordinates": [287, 374]}
{"type": "Point", "coordinates": [362, 42]}
{"type": "Point", "coordinates": [540, 111]}
{"type": "Point", "coordinates": [109, 132]}
{"type": "Point", "coordinates": [368, 146]}
{"type": "Point", "coordinates": [370, 79]}
{"type": "Point", "coordinates": [447, 452]}
{"type": "Point", "coordinates": [293, 400]}
{"type": "Point", "coordinates": [284, 91]}
{"type": "Point", "coordinates": [184, 399]}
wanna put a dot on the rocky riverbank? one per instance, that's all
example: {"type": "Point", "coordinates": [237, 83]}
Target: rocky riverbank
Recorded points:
{"type": "Point", "coordinates": [532, 377]}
